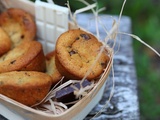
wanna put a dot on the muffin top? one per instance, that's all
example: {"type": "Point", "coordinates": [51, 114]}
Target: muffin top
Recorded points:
{"type": "Point", "coordinates": [76, 51]}
{"type": "Point", "coordinates": [18, 24]}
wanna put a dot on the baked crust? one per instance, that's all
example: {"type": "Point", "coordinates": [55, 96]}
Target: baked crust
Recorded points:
{"type": "Point", "coordinates": [5, 42]}
{"type": "Point", "coordinates": [76, 51]}
{"type": "Point", "coordinates": [26, 87]}
{"type": "Point", "coordinates": [18, 24]}
{"type": "Point", "coordinates": [26, 56]}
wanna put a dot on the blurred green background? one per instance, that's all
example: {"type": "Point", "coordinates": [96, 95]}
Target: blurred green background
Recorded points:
{"type": "Point", "coordinates": [145, 16]}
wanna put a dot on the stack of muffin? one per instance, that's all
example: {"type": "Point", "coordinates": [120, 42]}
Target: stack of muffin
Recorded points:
{"type": "Point", "coordinates": [26, 74]}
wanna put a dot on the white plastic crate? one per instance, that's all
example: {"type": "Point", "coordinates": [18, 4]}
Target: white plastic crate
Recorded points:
{"type": "Point", "coordinates": [51, 21]}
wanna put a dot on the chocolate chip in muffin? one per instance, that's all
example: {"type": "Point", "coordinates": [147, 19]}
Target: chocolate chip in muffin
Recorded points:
{"type": "Point", "coordinates": [22, 36]}
{"type": "Point", "coordinates": [12, 62]}
{"type": "Point", "coordinates": [85, 36]}
{"type": "Point", "coordinates": [72, 52]}
{"type": "Point", "coordinates": [77, 38]}
{"type": "Point", "coordinates": [26, 73]}
{"type": "Point", "coordinates": [103, 64]}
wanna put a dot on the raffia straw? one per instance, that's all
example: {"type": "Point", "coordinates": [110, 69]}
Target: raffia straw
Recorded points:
{"type": "Point", "coordinates": [87, 4]}
{"type": "Point", "coordinates": [71, 16]}
{"type": "Point", "coordinates": [112, 32]}
{"type": "Point", "coordinates": [84, 91]}
{"type": "Point", "coordinates": [141, 41]}
{"type": "Point", "coordinates": [52, 106]}
{"type": "Point", "coordinates": [110, 96]}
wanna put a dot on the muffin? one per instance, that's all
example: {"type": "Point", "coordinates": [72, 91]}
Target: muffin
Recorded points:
{"type": "Point", "coordinates": [27, 56]}
{"type": "Point", "coordinates": [76, 51]}
{"type": "Point", "coordinates": [18, 24]}
{"type": "Point", "coordinates": [51, 68]}
{"type": "Point", "coordinates": [5, 42]}
{"type": "Point", "coordinates": [26, 87]}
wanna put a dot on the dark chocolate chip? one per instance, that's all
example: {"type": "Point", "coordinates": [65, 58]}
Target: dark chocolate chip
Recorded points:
{"type": "Point", "coordinates": [77, 38]}
{"type": "Point", "coordinates": [103, 65]}
{"type": "Point", "coordinates": [85, 36]}
{"type": "Point", "coordinates": [72, 52]}
{"type": "Point", "coordinates": [22, 36]}
{"type": "Point", "coordinates": [12, 62]}
{"type": "Point", "coordinates": [27, 74]}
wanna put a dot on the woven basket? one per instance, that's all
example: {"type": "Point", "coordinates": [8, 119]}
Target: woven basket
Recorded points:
{"type": "Point", "coordinates": [14, 110]}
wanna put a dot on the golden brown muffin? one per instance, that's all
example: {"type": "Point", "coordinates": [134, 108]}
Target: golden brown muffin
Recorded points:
{"type": "Point", "coordinates": [76, 51]}
{"type": "Point", "coordinates": [26, 87]}
{"type": "Point", "coordinates": [51, 68]}
{"type": "Point", "coordinates": [27, 56]}
{"type": "Point", "coordinates": [18, 24]}
{"type": "Point", "coordinates": [5, 42]}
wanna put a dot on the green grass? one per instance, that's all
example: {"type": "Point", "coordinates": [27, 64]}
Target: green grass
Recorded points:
{"type": "Point", "coordinates": [148, 86]}
{"type": "Point", "coordinates": [149, 97]}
